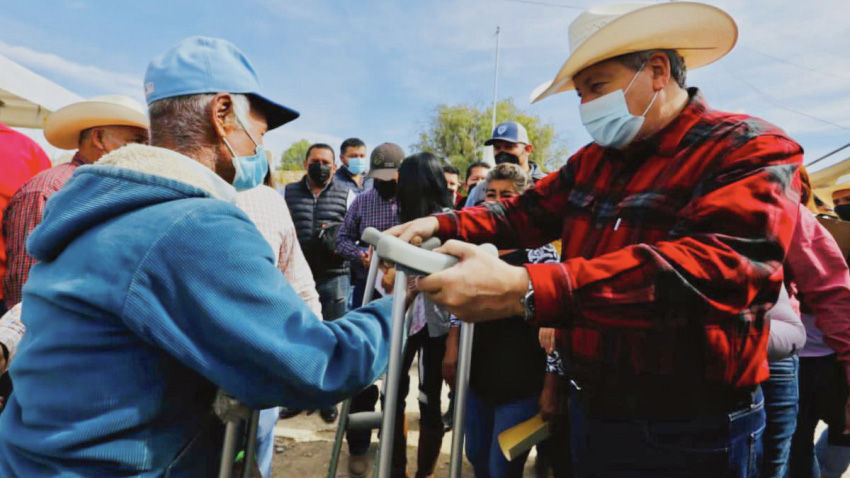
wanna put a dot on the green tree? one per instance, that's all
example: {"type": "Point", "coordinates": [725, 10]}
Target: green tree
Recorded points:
{"type": "Point", "coordinates": [293, 158]}
{"type": "Point", "coordinates": [457, 133]}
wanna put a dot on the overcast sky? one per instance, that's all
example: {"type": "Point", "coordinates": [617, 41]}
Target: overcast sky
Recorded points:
{"type": "Point", "coordinates": [377, 69]}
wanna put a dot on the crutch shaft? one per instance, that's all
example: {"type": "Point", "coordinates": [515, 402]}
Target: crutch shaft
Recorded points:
{"type": "Point", "coordinates": [393, 375]}
{"type": "Point", "coordinates": [228, 451]}
{"type": "Point", "coordinates": [461, 392]}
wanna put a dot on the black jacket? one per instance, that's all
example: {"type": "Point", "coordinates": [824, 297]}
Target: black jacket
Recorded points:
{"type": "Point", "coordinates": [317, 221]}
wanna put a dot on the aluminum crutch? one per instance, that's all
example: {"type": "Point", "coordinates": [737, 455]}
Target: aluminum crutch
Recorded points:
{"type": "Point", "coordinates": [371, 236]}
{"type": "Point", "coordinates": [231, 412]}
{"type": "Point", "coordinates": [409, 260]}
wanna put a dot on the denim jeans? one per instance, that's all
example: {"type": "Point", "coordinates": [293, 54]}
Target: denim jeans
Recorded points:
{"type": "Point", "coordinates": [484, 422]}
{"type": "Point", "coordinates": [823, 392]}
{"type": "Point", "coordinates": [832, 459]}
{"type": "Point", "coordinates": [709, 445]}
{"type": "Point", "coordinates": [265, 440]}
{"type": "Point", "coordinates": [781, 398]}
{"type": "Point", "coordinates": [333, 294]}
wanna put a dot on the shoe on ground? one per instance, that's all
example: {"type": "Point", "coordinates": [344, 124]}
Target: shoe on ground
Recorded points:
{"type": "Point", "coordinates": [288, 412]}
{"type": "Point", "coordinates": [358, 465]}
{"type": "Point", "coordinates": [329, 414]}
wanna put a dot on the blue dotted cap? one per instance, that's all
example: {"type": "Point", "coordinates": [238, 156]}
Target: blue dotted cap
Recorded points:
{"type": "Point", "coordinates": [199, 65]}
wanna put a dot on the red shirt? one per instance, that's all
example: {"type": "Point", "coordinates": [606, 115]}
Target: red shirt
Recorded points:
{"type": "Point", "coordinates": [20, 159]}
{"type": "Point", "coordinates": [23, 214]}
{"type": "Point", "coordinates": [672, 251]}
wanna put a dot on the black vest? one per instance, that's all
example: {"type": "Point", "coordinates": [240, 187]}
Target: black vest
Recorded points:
{"type": "Point", "coordinates": [317, 221]}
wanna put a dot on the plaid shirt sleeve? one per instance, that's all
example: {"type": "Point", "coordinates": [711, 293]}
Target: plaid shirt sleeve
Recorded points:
{"type": "Point", "coordinates": [11, 331]}
{"type": "Point", "coordinates": [728, 243]}
{"type": "Point", "coordinates": [293, 264]}
{"type": "Point", "coordinates": [23, 213]}
{"type": "Point", "coordinates": [346, 239]}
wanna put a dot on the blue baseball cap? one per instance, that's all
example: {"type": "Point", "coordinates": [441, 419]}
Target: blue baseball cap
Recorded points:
{"type": "Point", "coordinates": [200, 65]}
{"type": "Point", "coordinates": [509, 131]}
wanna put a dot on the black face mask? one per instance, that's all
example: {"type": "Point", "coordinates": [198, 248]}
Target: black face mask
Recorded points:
{"type": "Point", "coordinates": [843, 211]}
{"type": "Point", "coordinates": [506, 157]}
{"type": "Point", "coordinates": [319, 172]}
{"type": "Point", "coordinates": [386, 189]}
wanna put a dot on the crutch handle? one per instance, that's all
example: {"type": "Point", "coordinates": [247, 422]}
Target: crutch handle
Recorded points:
{"type": "Point", "coordinates": [371, 236]}
{"type": "Point", "coordinates": [431, 244]}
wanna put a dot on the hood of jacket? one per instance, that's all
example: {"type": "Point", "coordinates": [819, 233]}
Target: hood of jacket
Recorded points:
{"type": "Point", "coordinates": [132, 177]}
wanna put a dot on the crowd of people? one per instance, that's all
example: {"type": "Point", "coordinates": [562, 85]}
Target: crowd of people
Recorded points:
{"type": "Point", "coordinates": [695, 320]}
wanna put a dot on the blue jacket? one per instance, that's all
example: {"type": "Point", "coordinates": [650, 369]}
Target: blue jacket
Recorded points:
{"type": "Point", "coordinates": [149, 294]}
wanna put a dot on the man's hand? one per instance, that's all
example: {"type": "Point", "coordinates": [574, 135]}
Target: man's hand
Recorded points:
{"type": "Point", "coordinates": [415, 232]}
{"type": "Point", "coordinates": [450, 357]}
{"type": "Point", "coordinates": [847, 417]}
{"type": "Point", "coordinates": [366, 257]}
{"type": "Point", "coordinates": [388, 281]}
{"type": "Point", "coordinates": [480, 287]}
{"type": "Point", "coordinates": [546, 336]}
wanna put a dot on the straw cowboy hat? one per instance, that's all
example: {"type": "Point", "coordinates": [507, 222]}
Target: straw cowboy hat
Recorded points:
{"type": "Point", "coordinates": [700, 33]}
{"type": "Point", "coordinates": [64, 126]}
{"type": "Point", "coordinates": [825, 194]}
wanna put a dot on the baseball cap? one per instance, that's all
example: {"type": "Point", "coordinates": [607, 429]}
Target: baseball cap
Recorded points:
{"type": "Point", "coordinates": [510, 131]}
{"type": "Point", "coordinates": [385, 160]}
{"type": "Point", "coordinates": [199, 65]}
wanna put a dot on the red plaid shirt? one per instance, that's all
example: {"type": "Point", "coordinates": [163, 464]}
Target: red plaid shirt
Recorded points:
{"type": "Point", "coordinates": [22, 215]}
{"type": "Point", "coordinates": [672, 250]}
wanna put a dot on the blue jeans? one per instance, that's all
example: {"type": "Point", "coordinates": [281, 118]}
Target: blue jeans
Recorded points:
{"type": "Point", "coordinates": [781, 399]}
{"type": "Point", "coordinates": [265, 440]}
{"type": "Point", "coordinates": [333, 294]}
{"type": "Point", "coordinates": [484, 422]}
{"type": "Point", "coordinates": [709, 445]}
{"type": "Point", "coordinates": [823, 392]}
{"type": "Point", "coordinates": [833, 459]}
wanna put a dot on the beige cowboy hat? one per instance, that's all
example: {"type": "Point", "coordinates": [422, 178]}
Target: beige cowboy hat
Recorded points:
{"type": "Point", "coordinates": [825, 194]}
{"type": "Point", "coordinates": [702, 34]}
{"type": "Point", "coordinates": [64, 126]}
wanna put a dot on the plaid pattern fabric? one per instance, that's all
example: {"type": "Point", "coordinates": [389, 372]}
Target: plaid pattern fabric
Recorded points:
{"type": "Point", "coordinates": [368, 210]}
{"type": "Point", "coordinates": [268, 211]}
{"type": "Point", "coordinates": [11, 331]}
{"type": "Point", "coordinates": [672, 250]}
{"type": "Point", "coordinates": [22, 215]}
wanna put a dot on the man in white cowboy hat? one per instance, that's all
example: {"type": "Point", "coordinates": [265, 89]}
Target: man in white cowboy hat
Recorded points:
{"type": "Point", "coordinates": [675, 222]}
{"type": "Point", "coordinates": [94, 128]}
{"type": "Point", "coordinates": [153, 290]}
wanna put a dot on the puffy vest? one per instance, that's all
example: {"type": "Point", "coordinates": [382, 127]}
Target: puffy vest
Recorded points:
{"type": "Point", "coordinates": [317, 221]}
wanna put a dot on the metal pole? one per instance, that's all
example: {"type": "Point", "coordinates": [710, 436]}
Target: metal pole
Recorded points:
{"type": "Point", "coordinates": [461, 392]}
{"type": "Point", "coordinates": [496, 77]}
{"type": "Point", "coordinates": [342, 426]}
{"type": "Point", "coordinates": [228, 452]}
{"type": "Point", "coordinates": [385, 452]}
{"type": "Point", "coordinates": [251, 449]}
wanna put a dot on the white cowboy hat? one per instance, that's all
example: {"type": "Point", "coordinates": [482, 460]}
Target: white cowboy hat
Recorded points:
{"type": "Point", "coordinates": [702, 34]}
{"type": "Point", "coordinates": [825, 194]}
{"type": "Point", "coordinates": [64, 126]}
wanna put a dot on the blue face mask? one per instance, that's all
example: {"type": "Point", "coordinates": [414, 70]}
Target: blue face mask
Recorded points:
{"type": "Point", "coordinates": [357, 165]}
{"type": "Point", "coordinates": [608, 119]}
{"type": "Point", "coordinates": [250, 170]}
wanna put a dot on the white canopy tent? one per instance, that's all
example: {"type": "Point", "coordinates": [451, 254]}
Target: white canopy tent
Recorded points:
{"type": "Point", "coordinates": [28, 98]}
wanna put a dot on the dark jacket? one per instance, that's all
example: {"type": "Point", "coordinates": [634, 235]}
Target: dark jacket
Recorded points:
{"type": "Point", "coordinates": [317, 221]}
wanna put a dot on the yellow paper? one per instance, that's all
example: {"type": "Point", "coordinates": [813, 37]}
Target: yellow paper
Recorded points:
{"type": "Point", "coordinates": [520, 438]}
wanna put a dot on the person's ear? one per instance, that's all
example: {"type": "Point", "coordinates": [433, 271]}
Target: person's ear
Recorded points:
{"type": "Point", "coordinates": [222, 114]}
{"type": "Point", "coordinates": [528, 148]}
{"type": "Point", "coordinates": [659, 66]}
{"type": "Point", "coordinates": [98, 138]}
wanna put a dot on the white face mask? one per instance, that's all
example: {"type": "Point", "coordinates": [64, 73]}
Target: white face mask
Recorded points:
{"type": "Point", "coordinates": [608, 119]}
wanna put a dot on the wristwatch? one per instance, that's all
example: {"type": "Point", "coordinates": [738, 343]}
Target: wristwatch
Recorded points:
{"type": "Point", "coordinates": [527, 302]}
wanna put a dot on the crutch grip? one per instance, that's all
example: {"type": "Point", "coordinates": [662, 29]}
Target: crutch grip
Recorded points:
{"type": "Point", "coordinates": [371, 236]}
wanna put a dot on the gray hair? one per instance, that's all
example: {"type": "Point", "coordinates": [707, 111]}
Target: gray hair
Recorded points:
{"type": "Point", "coordinates": [511, 172]}
{"type": "Point", "coordinates": [636, 60]}
{"type": "Point", "coordinates": [184, 121]}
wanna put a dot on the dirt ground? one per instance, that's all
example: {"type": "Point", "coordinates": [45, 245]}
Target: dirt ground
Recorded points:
{"type": "Point", "coordinates": [304, 443]}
